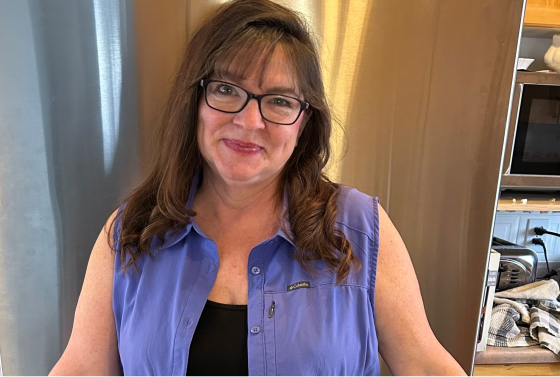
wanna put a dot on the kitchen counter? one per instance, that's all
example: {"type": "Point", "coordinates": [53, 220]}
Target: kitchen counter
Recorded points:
{"type": "Point", "coordinates": [516, 355]}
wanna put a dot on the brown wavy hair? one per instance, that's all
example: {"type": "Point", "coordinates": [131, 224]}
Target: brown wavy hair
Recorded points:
{"type": "Point", "coordinates": [229, 42]}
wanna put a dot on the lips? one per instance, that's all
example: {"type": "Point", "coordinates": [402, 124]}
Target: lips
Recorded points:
{"type": "Point", "coordinates": [242, 147]}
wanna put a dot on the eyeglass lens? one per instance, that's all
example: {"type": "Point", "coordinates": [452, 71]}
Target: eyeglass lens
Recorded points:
{"type": "Point", "coordinates": [230, 98]}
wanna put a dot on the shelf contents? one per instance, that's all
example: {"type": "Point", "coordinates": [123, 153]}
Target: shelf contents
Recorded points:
{"type": "Point", "coordinates": [513, 201]}
{"type": "Point", "coordinates": [526, 316]}
{"type": "Point", "coordinates": [552, 56]}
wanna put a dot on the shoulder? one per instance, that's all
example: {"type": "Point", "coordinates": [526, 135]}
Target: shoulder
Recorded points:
{"type": "Point", "coordinates": [358, 212]}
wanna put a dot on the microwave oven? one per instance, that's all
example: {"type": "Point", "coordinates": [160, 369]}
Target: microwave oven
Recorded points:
{"type": "Point", "coordinates": [532, 154]}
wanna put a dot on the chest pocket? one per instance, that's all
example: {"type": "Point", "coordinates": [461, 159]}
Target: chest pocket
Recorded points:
{"type": "Point", "coordinates": [322, 329]}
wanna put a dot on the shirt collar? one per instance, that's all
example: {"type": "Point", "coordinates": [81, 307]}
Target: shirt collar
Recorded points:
{"type": "Point", "coordinates": [288, 235]}
{"type": "Point", "coordinates": [172, 237]}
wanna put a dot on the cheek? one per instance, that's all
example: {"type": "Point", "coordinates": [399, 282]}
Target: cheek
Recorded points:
{"type": "Point", "coordinates": [200, 137]}
{"type": "Point", "coordinates": [204, 133]}
{"type": "Point", "coordinates": [208, 123]}
{"type": "Point", "coordinates": [200, 130]}
{"type": "Point", "coordinates": [287, 141]}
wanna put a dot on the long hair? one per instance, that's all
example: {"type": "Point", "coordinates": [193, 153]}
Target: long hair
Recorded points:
{"type": "Point", "coordinates": [230, 41]}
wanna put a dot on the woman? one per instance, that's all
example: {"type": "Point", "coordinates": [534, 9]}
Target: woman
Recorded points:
{"type": "Point", "coordinates": [237, 255]}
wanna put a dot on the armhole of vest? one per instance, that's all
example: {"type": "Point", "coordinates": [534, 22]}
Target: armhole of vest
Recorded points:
{"type": "Point", "coordinates": [117, 229]}
{"type": "Point", "coordinates": [116, 271]}
{"type": "Point", "coordinates": [374, 252]}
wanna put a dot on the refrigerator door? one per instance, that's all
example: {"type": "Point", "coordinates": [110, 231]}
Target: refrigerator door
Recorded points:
{"type": "Point", "coordinates": [426, 106]}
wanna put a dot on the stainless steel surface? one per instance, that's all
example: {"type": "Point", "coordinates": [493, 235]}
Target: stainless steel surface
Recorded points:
{"type": "Point", "coordinates": [422, 90]}
{"type": "Point", "coordinates": [526, 272]}
{"type": "Point", "coordinates": [540, 182]}
{"type": "Point", "coordinates": [519, 264]}
{"type": "Point", "coordinates": [512, 128]}
{"type": "Point", "coordinates": [525, 181]}
{"type": "Point", "coordinates": [68, 118]}
{"type": "Point", "coordinates": [426, 125]}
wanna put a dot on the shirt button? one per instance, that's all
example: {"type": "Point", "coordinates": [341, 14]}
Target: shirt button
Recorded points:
{"type": "Point", "coordinates": [255, 270]}
{"type": "Point", "coordinates": [255, 329]}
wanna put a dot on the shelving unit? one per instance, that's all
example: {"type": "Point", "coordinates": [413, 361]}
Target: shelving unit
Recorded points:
{"type": "Point", "coordinates": [516, 218]}
{"type": "Point", "coordinates": [542, 21]}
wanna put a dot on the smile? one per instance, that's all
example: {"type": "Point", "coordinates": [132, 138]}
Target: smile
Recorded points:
{"type": "Point", "coordinates": [242, 147]}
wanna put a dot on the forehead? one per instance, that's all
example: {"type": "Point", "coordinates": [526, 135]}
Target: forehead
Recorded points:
{"type": "Point", "coordinates": [272, 70]}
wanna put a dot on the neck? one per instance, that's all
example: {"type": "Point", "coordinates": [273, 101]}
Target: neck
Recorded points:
{"type": "Point", "coordinates": [225, 202]}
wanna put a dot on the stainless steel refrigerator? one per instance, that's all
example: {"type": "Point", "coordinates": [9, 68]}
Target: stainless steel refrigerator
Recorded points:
{"type": "Point", "coordinates": [422, 91]}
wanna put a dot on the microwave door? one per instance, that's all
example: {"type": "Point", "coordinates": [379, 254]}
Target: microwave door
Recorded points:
{"type": "Point", "coordinates": [536, 149]}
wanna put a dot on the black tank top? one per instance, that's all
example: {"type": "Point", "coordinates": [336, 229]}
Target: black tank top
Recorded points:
{"type": "Point", "coordinates": [219, 345]}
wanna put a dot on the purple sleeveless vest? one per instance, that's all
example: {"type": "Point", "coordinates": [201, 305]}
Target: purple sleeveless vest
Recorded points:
{"type": "Point", "coordinates": [298, 324]}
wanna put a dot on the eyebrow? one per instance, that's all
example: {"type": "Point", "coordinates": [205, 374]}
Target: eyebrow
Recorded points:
{"type": "Point", "coordinates": [283, 90]}
{"type": "Point", "coordinates": [287, 90]}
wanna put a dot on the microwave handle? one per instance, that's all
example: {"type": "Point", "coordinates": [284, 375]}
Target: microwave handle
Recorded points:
{"type": "Point", "coordinates": [512, 129]}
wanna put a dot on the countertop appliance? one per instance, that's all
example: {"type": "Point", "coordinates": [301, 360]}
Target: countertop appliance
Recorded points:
{"type": "Point", "coordinates": [421, 88]}
{"type": "Point", "coordinates": [518, 264]}
{"type": "Point", "coordinates": [532, 158]}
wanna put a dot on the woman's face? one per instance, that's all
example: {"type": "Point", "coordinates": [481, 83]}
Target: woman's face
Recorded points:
{"type": "Point", "coordinates": [243, 148]}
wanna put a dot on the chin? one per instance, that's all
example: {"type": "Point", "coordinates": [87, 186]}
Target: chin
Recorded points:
{"type": "Point", "coordinates": [240, 174]}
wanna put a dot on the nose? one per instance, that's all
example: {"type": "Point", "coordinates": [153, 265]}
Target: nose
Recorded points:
{"type": "Point", "coordinates": [250, 117]}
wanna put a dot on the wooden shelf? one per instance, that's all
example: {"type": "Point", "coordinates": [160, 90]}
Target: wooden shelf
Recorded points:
{"type": "Point", "coordinates": [516, 355]}
{"type": "Point", "coordinates": [547, 78]}
{"type": "Point", "coordinates": [542, 13]}
{"type": "Point", "coordinates": [517, 370]}
{"type": "Point", "coordinates": [516, 361]}
{"type": "Point", "coordinates": [535, 202]}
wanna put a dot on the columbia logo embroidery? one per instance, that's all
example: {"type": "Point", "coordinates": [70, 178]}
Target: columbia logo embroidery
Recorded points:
{"type": "Point", "coordinates": [298, 285]}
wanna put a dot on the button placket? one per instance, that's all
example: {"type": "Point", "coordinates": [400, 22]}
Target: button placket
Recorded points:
{"type": "Point", "coordinates": [255, 310]}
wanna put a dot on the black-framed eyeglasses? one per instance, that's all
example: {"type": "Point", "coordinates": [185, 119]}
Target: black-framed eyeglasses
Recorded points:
{"type": "Point", "coordinates": [229, 98]}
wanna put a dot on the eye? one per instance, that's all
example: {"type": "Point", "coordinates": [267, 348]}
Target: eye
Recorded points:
{"type": "Point", "coordinates": [225, 89]}
{"type": "Point", "coordinates": [282, 102]}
